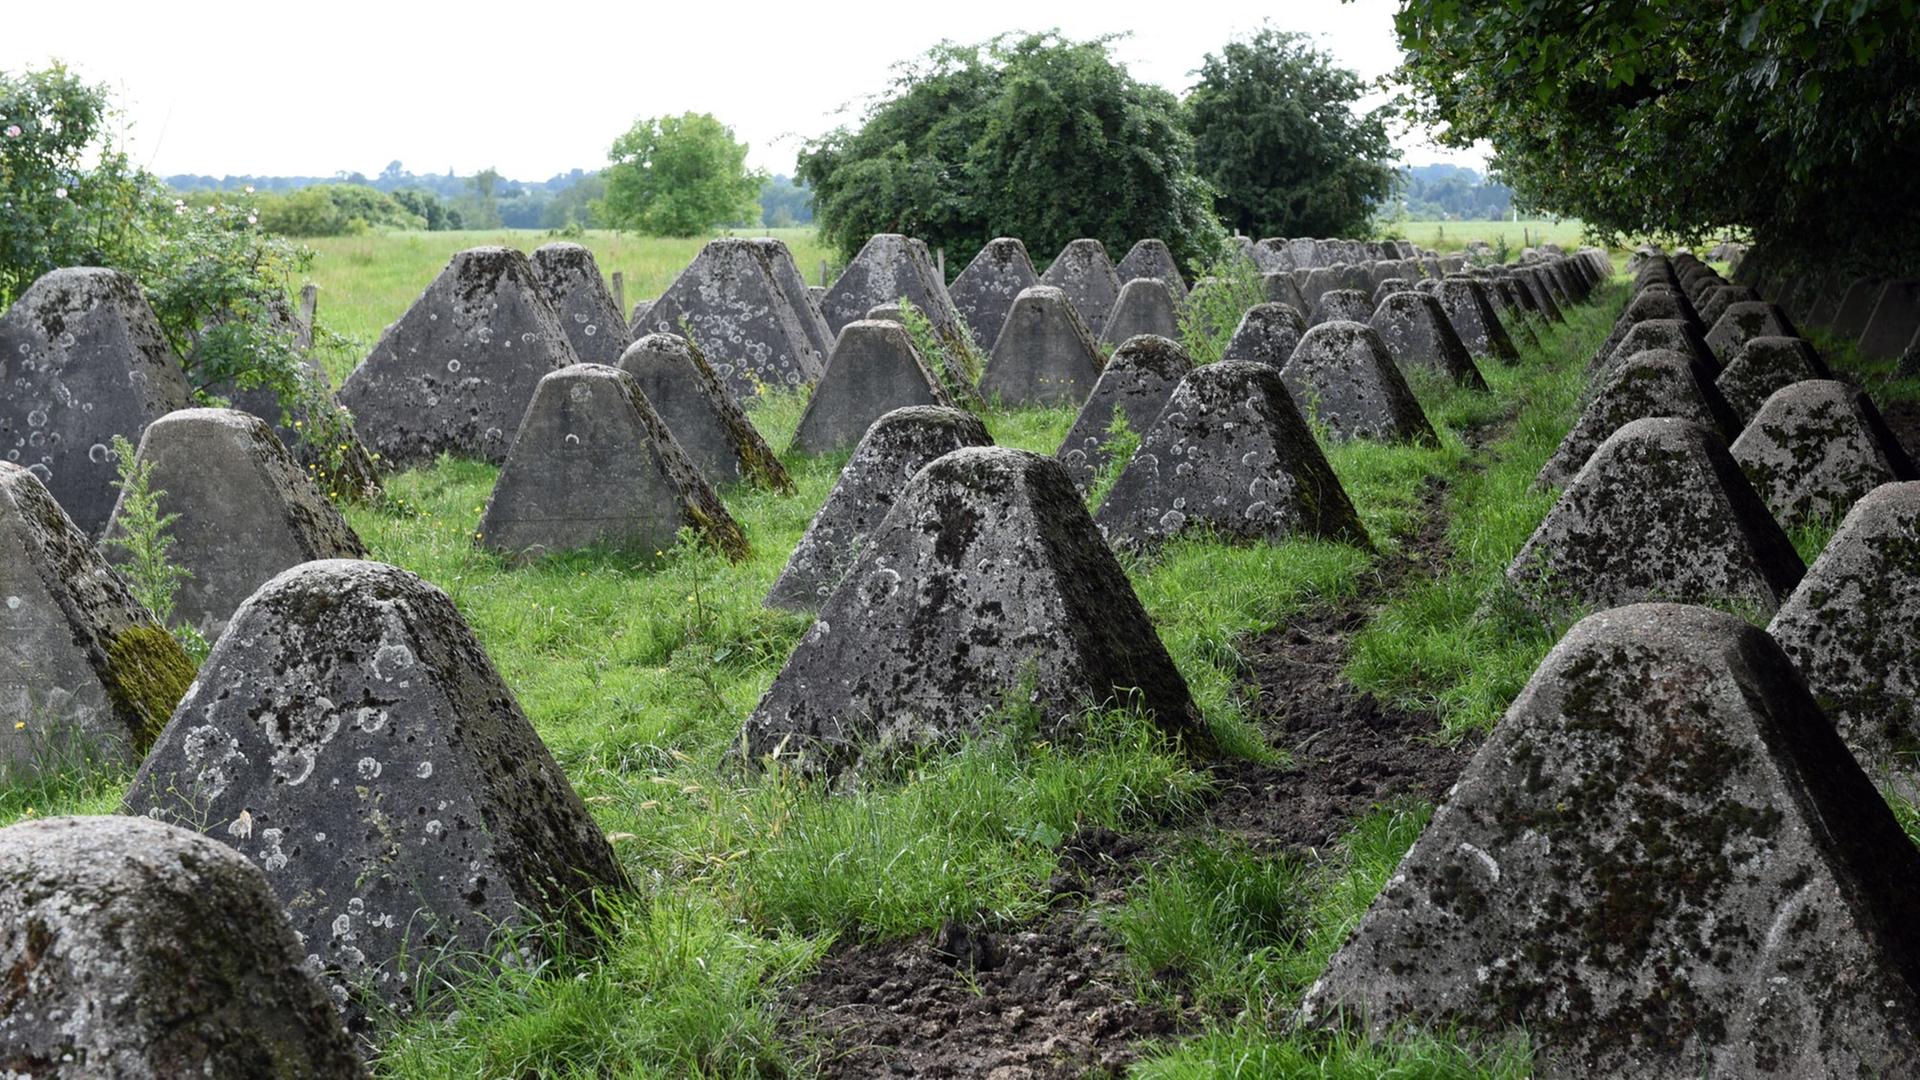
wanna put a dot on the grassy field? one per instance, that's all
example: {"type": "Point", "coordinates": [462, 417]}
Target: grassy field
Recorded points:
{"type": "Point", "coordinates": [638, 680]}
{"type": "Point", "coordinates": [1453, 235]}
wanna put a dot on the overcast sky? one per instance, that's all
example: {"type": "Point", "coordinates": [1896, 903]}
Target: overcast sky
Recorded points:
{"type": "Point", "coordinates": [535, 89]}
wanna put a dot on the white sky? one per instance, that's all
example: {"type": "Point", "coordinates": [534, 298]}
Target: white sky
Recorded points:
{"type": "Point", "coordinates": [536, 89]}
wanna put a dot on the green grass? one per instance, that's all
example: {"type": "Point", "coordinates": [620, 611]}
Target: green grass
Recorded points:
{"type": "Point", "coordinates": [366, 282]}
{"type": "Point", "coordinates": [1448, 236]}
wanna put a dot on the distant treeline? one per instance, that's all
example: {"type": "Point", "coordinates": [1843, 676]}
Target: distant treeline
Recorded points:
{"type": "Point", "coordinates": [351, 202]}
{"type": "Point", "coordinates": [1450, 193]}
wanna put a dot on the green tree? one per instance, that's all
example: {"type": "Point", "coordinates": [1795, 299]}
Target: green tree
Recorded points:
{"type": "Point", "coordinates": [1276, 134]}
{"type": "Point", "coordinates": [680, 176]}
{"type": "Point", "coordinates": [1035, 136]}
{"type": "Point", "coordinates": [70, 195]}
{"type": "Point", "coordinates": [480, 206]}
{"type": "Point", "coordinates": [1796, 119]}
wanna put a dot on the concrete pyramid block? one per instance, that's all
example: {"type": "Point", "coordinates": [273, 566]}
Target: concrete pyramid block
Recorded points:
{"type": "Point", "coordinates": [82, 359]}
{"type": "Point", "coordinates": [1282, 289]}
{"type": "Point", "coordinates": [1342, 377]}
{"type": "Point", "coordinates": [1815, 448]}
{"type": "Point", "coordinates": [800, 296]}
{"type": "Point", "coordinates": [1659, 382]}
{"type": "Point", "coordinates": [1388, 287]}
{"type": "Point", "coordinates": [1660, 511]}
{"type": "Point", "coordinates": [1316, 283]}
{"type": "Point", "coordinates": [1044, 355]}
{"type": "Point", "coordinates": [1465, 303]}
{"type": "Point", "coordinates": [1153, 259]}
{"type": "Point", "coordinates": [1418, 335]}
{"type": "Point", "coordinates": [1661, 863]}
{"type": "Point", "coordinates": [1856, 307]}
{"type": "Point", "coordinates": [1349, 305]}
{"type": "Point", "coordinates": [594, 466]}
{"type": "Point", "coordinates": [1083, 271]}
{"type": "Point", "coordinates": [897, 446]}
{"type": "Point", "coordinates": [986, 586]}
{"type": "Point", "coordinates": [1543, 302]}
{"type": "Point", "coordinates": [1231, 456]}
{"type": "Point", "coordinates": [1893, 322]}
{"type": "Point", "coordinates": [1136, 384]}
{"type": "Point", "coordinates": [637, 321]}
{"type": "Point", "coordinates": [570, 280]}
{"type": "Point", "coordinates": [874, 370]}
{"type": "Point", "coordinates": [1743, 322]}
{"type": "Point", "coordinates": [1721, 297]}
{"type": "Point", "coordinates": [1849, 630]}
{"type": "Point", "coordinates": [1647, 305]}
{"type": "Point", "coordinates": [350, 737]}
{"type": "Point", "coordinates": [731, 301]}
{"type": "Point", "coordinates": [455, 373]}
{"type": "Point", "coordinates": [985, 290]}
{"type": "Point", "coordinates": [244, 511]}
{"type": "Point", "coordinates": [85, 672]}
{"type": "Point", "coordinates": [1145, 306]}
{"type": "Point", "coordinates": [1268, 333]}
{"type": "Point", "coordinates": [888, 269]}
{"type": "Point", "coordinates": [141, 950]}
{"type": "Point", "coordinates": [1508, 309]}
{"type": "Point", "coordinates": [1672, 335]}
{"type": "Point", "coordinates": [1766, 364]}
{"type": "Point", "coordinates": [706, 422]}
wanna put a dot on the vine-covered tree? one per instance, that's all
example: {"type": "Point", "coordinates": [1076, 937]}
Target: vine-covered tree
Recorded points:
{"type": "Point", "coordinates": [1796, 119]}
{"type": "Point", "coordinates": [1035, 136]}
{"type": "Point", "coordinates": [680, 176]}
{"type": "Point", "coordinates": [1276, 133]}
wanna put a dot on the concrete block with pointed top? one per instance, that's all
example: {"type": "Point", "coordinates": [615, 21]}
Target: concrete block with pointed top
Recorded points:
{"type": "Point", "coordinates": [1135, 384]}
{"type": "Point", "coordinates": [874, 370]}
{"type": "Point", "coordinates": [1419, 336]}
{"type": "Point", "coordinates": [1341, 376]}
{"type": "Point", "coordinates": [1044, 355]}
{"type": "Point", "coordinates": [984, 292]}
{"type": "Point", "coordinates": [1815, 448]}
{"type": "Point", "coordinates": [710, 427]}
{"type": "Point", "coordinates": [736, 300]}
{"type": "Point", "coordinates": [1083, 271]}
{"type": "Point", "coordinates": [1152, 259]}
{"type": "Point", "coordinates": [570, 280]}
{"type": "Point", "coordinates": [1145, 306]}
{"type": "Point", "coordinates": [1658, 382]}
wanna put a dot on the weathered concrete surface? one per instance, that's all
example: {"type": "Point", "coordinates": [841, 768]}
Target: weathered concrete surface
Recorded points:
{"type": "Point", "coordinates": [1342, 377]}
{"type": "Point", "coordinates": [1660, 512]}
{"type": "Point", "coordinates": [1135, 384]}
{"type": "Point", "coordinates": [1543, 302]}
{"type": "Point", "coordinates": [243, 511]}
{"type": "Point", "coordinates": [637, 321]}
{"type": "Point", "coordinates": [1282, 289]}
{"type": "Point", "coordinates": [706, 422]}
{"type": "Point", "coordinates": [1044, 355]}
{"type": "Point", "coordinates": [874, 370]}
{"type": "Point", "coordinates": [1145, 306]}
{"type": "Point", "coordinates": [1152, 259]}
{"type": "Point", "coordinates": [570, 279]}
{"type": "Point", "coordinates": [1268, 333]}
{"type": "Point", "coordinates": [350, 737]}
{"type": "Point", "coordinates": [1647, 305]}
{"type": "Point", "coordinates": [1815, 448]}
{"type": "Point", "coordinates": [1465, 303]}
{"type": "Point", "coordinates": [142, 951]}
{"type": "Point", "coordinates": [986, 586]}
{"type": "Point", "coordinates": [889, 268]}
{"type": "Point", "coordinates": [595, 466]}
{"type": "Point", "coordinates": [897, 446]}
{"type": "Point", "coordinates": [1661, 863]}
{"type": "Point", "coordinates": [1659, 382]}
{"type": "Point", "coordinates": [1349, 305]}
{"type": "Point", "coordinates": [985, 290]}
{"type": "Point", "coordinates": [1849, 630]}
{"type": "Point", "coordinates": [1742, 322]}
{"type": "Point", "coordinates": [1721, 297]}
{"type": "Point", "coordinates": [85, 673]}
{"type": "Point", "coordinates": [1418, 335]}
{"type": "Point", "coordinates": [1763, 365]}
{"type": "Point", "coordinates": [1083, 271]}
{"type": "Point", "coordinates": [1673, 335]}
{"type": "Point", "coordinates": [1229, 455]}
{"type": "Point", "coordinates": [732, 301]}
{"type": "Point", "coordinates": [455, 373]}
{"type": "Point", "coordinates": [1894, 321]}
{"type": "Point", "coordinates": [786, 274]}
{"type": "Point", "coordinates": [1856, 307]}
{"type": "Point", "coordinates": [82, 359]}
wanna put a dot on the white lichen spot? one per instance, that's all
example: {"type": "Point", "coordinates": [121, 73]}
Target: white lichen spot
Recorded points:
{"type": "Point", "coordinates": [241, 828]}
{"type": "Point", "coordinates": [1486, 861]}
{"type": "Point", "coordinates": [368, 768]}
{"type": "Point", "coordinates": [423, 770]}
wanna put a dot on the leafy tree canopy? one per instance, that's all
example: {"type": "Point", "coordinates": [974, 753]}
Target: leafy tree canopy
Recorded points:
{"type": "Point", "coordinates": [1276, 134]}
{"type": "Point", "coordinates": [1795, 119]}
{"type": "Point", "coordinates": [680, 176]}
{"type": "Point", "coordinates": [1033, 136]}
